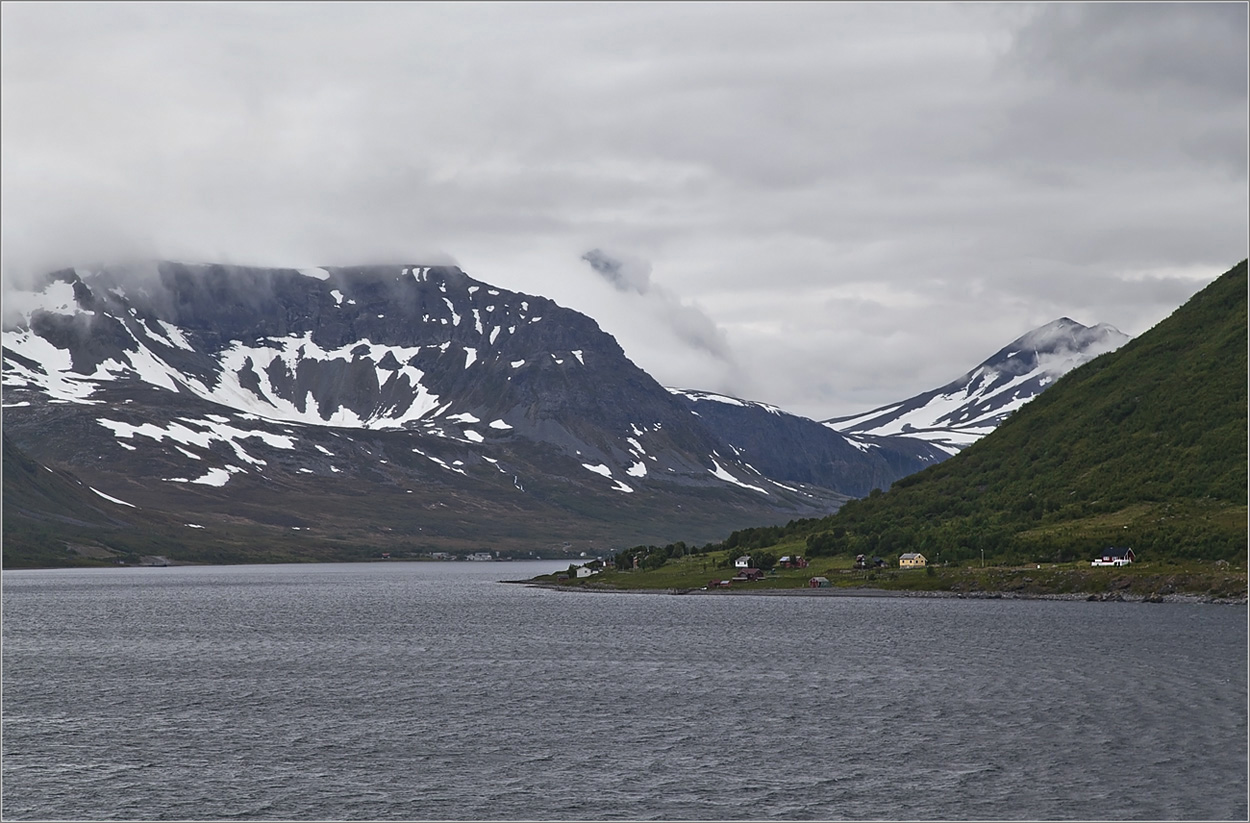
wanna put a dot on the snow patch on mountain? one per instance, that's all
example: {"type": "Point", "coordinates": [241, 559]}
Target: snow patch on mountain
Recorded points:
{"type": "Point", "coordinates": [112, 499]}
{"type": "Point", "coordinates": [202, 433]}
{"type": "Point", "coordinates": [697, 396]}
{"type": "Point", "coordinates": [598, 469]}
{"type": "Point", "coordinates": [53, 373]}
{"type": "Point", "coordinates": [259, 364]}
{"type": "Point", "coordinates": [174, 336]}
{"type": "Point", "coordinates": [213, 477]}
{"type": "Point", "coordinates": [720, 473]}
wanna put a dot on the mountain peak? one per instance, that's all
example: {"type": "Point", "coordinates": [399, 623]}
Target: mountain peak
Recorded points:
{"type": "Point", "coordinates": [1066, 333]}
{"type": "Point", "coordinates": [968, 408]}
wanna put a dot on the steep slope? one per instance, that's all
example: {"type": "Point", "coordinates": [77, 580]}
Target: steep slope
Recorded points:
{"type": "Point", "coordinates": [42, 507]}
{"type": "Point", "coordinates": [971, 406]}
{"type": "Point", "coordinates": [795, 449]}
{"type": "Point", "coordinates": [257, 407]}
{"type": "Point", "coordinates": [1144, 447]}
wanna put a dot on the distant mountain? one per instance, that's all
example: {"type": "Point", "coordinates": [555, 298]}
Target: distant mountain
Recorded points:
{"type": "Point", "coordinates": [244, 413]}
{"type": "Point", "coordinates": [794, 449]}
{"type": "Point", "coordinates": [970, 407]}
{"type": "Point", "coordinates": [1144, 447]}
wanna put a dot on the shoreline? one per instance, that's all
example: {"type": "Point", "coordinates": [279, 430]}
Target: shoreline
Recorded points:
{"type": "Point", "coordinates": [1110, 597]}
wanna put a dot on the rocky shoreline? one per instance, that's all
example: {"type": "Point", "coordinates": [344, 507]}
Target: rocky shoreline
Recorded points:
{"type": "Point", "coordinates": [1108, 597]}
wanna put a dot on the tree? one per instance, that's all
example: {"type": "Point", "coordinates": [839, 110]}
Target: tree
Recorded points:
{"type": "Point", "coordinates": [654, 560]}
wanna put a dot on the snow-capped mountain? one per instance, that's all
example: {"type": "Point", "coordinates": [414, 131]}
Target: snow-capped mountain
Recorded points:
{"type": "Point", "coordinates": [795, 449]}
{"type": "Point", "coordinates": [365, 405]}
{"type": "Point", "coordinates": [966, 409]}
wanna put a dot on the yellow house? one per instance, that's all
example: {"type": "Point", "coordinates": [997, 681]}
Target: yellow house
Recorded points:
{"type": "Point", "coordinates": [911, 560]}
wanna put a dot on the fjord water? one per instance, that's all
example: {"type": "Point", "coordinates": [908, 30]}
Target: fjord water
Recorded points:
{"type": "Point", "coordinates": [432, 691]}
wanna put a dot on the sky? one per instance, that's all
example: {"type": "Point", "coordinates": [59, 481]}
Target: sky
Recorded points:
{"type": "Point", "coordinates": [823, 206]}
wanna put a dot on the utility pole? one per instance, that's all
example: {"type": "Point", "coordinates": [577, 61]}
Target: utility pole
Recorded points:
{"type": "Point", "coordinates": [983, 558]}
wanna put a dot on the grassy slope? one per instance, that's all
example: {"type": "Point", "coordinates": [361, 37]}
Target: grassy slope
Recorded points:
{"type": "Point", "coordinates": [1144, 447]}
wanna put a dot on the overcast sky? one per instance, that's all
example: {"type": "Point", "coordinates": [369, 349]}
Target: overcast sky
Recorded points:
{"type": "Point", "coordinates": [827, 207]}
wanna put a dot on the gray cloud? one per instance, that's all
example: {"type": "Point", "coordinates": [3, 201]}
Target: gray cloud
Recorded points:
{"type": "Point", "coordinates": [855, 202]}
{"type": "Point", "coordinates": [678, 320]}
{"type": "Point", "coordinates": [1174, 48]}
{"type": "Point", "coordinates": [625, 275]}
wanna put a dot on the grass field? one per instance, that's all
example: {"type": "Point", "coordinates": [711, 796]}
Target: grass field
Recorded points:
{"type": "Point", "coordinates": [1216, 579]}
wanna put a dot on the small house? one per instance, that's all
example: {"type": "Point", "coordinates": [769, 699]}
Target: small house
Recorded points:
{"type": "Point", "coordinates": [1115, 556]}
{"type": "Point", "coordinates": [743, 562]}
{"type": "Point", "coordinates": [748, 575]}
{"type": "Point", "coordinates": [793, 562]}
{"type": "Point", "coordinates": [718, 584]}
{"type": "Point", "coordinates": [911, 560]}
{"type": "Point", "coordinates": [818, 583]}
{"type": "Point", "coordinates": [586, 571]}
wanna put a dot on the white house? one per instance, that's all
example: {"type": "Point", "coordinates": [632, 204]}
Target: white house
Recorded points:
{"type": "Point", "coordinates": [743, 562]}
{"type": "Point", "coordinates": [583, 571]}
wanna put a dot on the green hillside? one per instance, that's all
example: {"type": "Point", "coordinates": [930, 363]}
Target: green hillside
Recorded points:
{"type": "Point", "coordinates": [1143, 447]}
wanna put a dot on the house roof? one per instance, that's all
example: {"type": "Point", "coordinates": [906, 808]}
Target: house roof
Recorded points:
{"type": "Point", "coordinates": [1116, 551]}
{"type": "Point", "coordinates": [909, 556]}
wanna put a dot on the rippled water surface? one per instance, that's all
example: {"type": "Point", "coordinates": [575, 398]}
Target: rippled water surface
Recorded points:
{"type": "Point", "coordinates": [431, 691]}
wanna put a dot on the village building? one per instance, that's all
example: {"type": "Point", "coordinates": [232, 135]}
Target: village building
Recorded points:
{"type": "Point", "coordinates": [1115, 556]}
{"type": "Point", "coordinates": [911, 560]}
